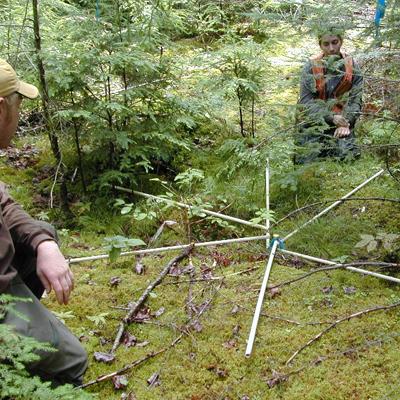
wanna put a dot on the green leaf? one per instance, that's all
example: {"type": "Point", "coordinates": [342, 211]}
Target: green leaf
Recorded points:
{"type": "Point", "coordinates": [366, 239]}
{"type": "Point", "coordinates": [127, 209]}
{"type": "Point", "coordinates": [372, 245]}
{"type": "Point", "coordinates": [114, 254]}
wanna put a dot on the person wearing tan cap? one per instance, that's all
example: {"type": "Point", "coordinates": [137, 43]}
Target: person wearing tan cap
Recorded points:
{"type": "Point", "coordinates": [31, 261]}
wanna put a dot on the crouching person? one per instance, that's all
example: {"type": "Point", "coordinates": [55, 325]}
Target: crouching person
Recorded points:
{"type": "Point", "coordinates": [31, 261]}
{"type": "Point", "coordinates": [330, 102]}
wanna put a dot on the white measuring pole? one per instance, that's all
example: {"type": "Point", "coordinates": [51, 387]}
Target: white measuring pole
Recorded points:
{"type": "Point", "coordinates": [329, 262]}
{"type": "Point", "coordinates": [336, 203]}
{"type": "Point", "coordinates": [267, 220]}
{"type": "Point", "coordinates": [169, 248]}
{"type": "Point", "coordinates": [205, 211]}
{"type": "Point", "coordinates": [261, 295]}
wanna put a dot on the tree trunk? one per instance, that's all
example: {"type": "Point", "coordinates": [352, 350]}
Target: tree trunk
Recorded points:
{"type": "Point", "coordinates": [78, 150]}
{"type": "Point", "coordinates": [253, 121]}
{"type": "Point", "coordinates": [46, 111]}
{"type": "Point", "coordinates": [241, 121]}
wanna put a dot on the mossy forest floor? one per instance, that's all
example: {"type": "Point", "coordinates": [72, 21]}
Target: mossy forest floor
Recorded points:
{"type": "Point", "coordinates": [357, 359]}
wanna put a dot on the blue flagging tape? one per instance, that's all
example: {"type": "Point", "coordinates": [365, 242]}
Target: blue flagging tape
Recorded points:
{"type": "Point", "coordinates": [380, 11]}
{"type": "Point", "coordinates": [281, 243]}
{"type": "Point", "coordinates": [97, 10]}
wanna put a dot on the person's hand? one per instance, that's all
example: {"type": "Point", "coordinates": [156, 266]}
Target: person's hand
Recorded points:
{"type": "Point", "coordinates": [341, 132]}
{"type": "Point", "coordinates": [53, 271]}
{"type": "Point", "coordinates": [340, 121]}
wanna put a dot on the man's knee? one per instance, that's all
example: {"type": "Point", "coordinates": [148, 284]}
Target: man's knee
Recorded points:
{"type": "Point", "coordinates": [65, 365]}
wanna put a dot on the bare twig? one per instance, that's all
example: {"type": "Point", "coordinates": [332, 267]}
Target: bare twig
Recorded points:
{"type": "Point", "coordinates": [337, 322]}
{"type": "Point", "coordinates": [145, 294]}
{"type": "Point", "coordinates": [131, 365]}
{"type": "Point", "coordinates": [212, 278]}
{"type": "Point", "coordinates": [318, 360]}
{"type": "Point", "coordinates": [153, 239]}
{"type": "Point", "coordinates": [294, 212]}
{"type": "Point", "coordinates": [189, 302]}
{"type": "Point", "coordinates": [333, 267]}
{"type": "Point", "coordinates": [54, 183]}
{"type": "Point", "coordinates": [158, 352]}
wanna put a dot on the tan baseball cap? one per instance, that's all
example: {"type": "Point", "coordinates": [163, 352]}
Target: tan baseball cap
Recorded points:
{"type": "Point", "coordinates": [9, 83]}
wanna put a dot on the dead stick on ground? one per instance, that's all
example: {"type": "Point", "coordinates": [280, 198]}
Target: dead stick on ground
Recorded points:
{"type": "Point", "coordinates": [144, 296]}
{"type": "Point", "coordinates": [279, 377]}
{"type": "Point", "coordinates": [318, 203]}
{"type": "Point", "coordinates": [152, 240]}
{"type": "Point", "coordinates": [333, 267]}
{"type": "Point", "coordinates": [213, 278]}
{"type": "Point", "coordinates": [337, 322]}
{"type": "Point", "coordinates": [189, 301]}
{"type": "Point", "coordinates": [131, 365]}
{"type": "Point", "coordinates": [153, 353]}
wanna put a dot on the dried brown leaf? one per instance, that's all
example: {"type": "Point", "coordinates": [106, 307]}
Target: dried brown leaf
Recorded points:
{"type": "Point", "coordinates": [128, 396]}
{"type": "Point", "coordinates": [139, 267]}
{"type": "Point", "coordinates": [154, 380]}
{"type": "Point", "coordinates": [142, 344]}
{"type": "Point", "coordinates": [128, 340]}
{"type": "Point", "coordinates": [235, 309]}
{"type": "Point", "coordinates": [274, 292]}
{"type": "Point", "coordinates": [104, 357]}
{"type": "Point", "coordinates": [276, 379]}
{"type": "Point", "coordinates": [115, 281]}
{"type": "Point", "coordinates": [120, 381]}
{"type": "Point", "coordinates": [230, 344]}
{"type": "Point", "coordinates": [142, 315]}
{"type": "Point", "coordinates": [159, 312]}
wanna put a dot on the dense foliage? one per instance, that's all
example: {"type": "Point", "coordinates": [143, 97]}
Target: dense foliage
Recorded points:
{"type": "Point", "coordinates": [125, 103]}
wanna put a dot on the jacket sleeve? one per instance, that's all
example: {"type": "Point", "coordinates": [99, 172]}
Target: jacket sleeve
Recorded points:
{"type": "Point", "coordinates": [24, 230]}
{"type": "Point", "coordinates": [314, 109]}
{"type": "Point", "coordinates": [352, 109]}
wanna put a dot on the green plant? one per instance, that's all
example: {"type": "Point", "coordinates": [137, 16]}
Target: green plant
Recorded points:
{"type": "Point", "coordinates": [262, 214]}
{"type": "Point", "coordinates": [99, 319]}
{"type": "Point", "coordinates": [115, 245]}
{"type": "Point", "coordinates": [380, 240]}
{"type": "Point", "coordinates": [16, 352]}
{"type": "Point", "coordinates": [241, 65]}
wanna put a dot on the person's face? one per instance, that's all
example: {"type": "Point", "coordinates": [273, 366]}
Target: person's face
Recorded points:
{"type": "Point", "coordinates": [9, 116]}
{"type": "Point", "coordinates": [330, 45]}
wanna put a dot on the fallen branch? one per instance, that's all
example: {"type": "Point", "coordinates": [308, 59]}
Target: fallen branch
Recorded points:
{"type": "Point", "coordinates": [275, 317]}
{"type": "Point", "coordinates": [153, 354]}
{"type": "Point", "coordinates": [139, 258]}
{"type": "Point", "coordinates": [318, 203]}
{"type": "Point", "coordinates": [333, 267]}
{"type": "Point", "coordinates": [212, 278]}
{"type": "Point", "coordinates": [333, 263]}
{"type": "Point", "coordinates": [335, 204]}
{"type": "Point", "coordinates": [337, 322]}
{"type": "Point", "coordinates": [279, 377]}
{"type": "Point", "coordinates": [127, 367]}
{"type": "Point", "coordinates": [144, 296]}
{"type": "Point", "coordinates": [189, 301]}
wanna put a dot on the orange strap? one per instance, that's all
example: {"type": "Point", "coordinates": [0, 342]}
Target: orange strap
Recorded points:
{"type": "Point", "coordinates": [318, 70]}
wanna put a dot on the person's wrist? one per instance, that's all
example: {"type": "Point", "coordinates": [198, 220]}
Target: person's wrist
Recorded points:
{"type": "Point", "coordinates": [46, 245]}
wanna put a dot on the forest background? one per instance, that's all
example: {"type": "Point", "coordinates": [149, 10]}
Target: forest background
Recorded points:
{"type": "Point", "coordinates": [189, 99]}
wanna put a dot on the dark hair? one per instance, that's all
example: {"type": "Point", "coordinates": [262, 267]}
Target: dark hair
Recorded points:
{"type": "Point", "coordinates": [331, 31]}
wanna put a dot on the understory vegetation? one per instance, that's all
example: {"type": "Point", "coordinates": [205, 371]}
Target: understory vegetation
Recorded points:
{"type": "Point", "coordinates": [189, 100]}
